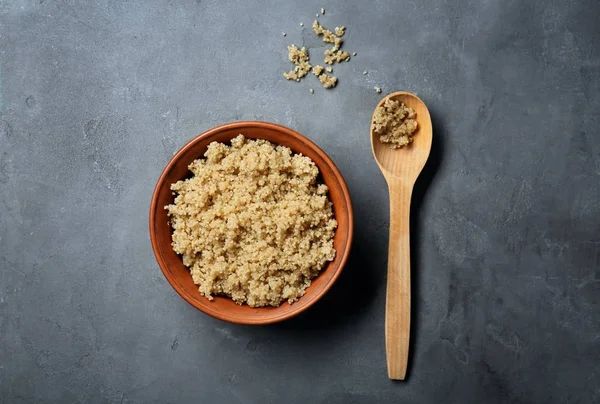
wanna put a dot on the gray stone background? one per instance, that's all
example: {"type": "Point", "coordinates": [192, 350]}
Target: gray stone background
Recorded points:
{"type": "Point", "coordinates": [95, 96]}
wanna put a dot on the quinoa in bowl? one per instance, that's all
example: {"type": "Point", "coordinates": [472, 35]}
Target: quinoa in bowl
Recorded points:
{"type": "Point", "coordinates": [253, 222]}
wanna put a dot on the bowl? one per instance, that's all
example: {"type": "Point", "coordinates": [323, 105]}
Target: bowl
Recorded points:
{"type": "Point", "coordinates": [179, 276]}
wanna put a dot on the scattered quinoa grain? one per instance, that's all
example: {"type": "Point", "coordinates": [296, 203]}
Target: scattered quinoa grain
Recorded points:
{"type": "Point", "coordinates": [365, 72]}
{"type": "Point", "coordinates": [328, 36]}
{"type": "Point", "coordinates": [340, 31]}
{"type": "Point", "coordinates": [283, 33]}
{"type": "Point", "coordinates": [323, 11]}
{"type": "Point", "coordinates": [332, 56]}
{"type": "Point", "coordinates": [252, 223]}
{"type": "Point", "coordinates": [300, 58]}
{"type": "Point", "coordinates": [353, 53]}
{"type": "Point", "coordinates": [335, 54]}
{"type": "Point", "coordinates": [312, 91]}
{"type": "Point", "coordinates": [378, 89]}
{"type": "Point", "coordinates": [328, 81]}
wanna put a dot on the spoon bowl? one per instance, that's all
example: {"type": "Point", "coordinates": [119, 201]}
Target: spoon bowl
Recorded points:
{"type": "Point", "coordinates": [401, 167]}
{"type": "Point", "coordinates": [406, 162]}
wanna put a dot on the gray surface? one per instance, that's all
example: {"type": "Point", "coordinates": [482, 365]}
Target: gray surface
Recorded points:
{"type": "Point", "coordinates": [96, 97]}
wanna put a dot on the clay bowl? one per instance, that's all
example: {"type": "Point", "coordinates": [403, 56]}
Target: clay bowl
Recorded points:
{"type": "Point", "coordinates": [179, 276]}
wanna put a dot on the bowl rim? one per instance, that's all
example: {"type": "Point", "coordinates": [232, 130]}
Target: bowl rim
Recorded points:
{"type": "Point", "coordinates": [161, 182]}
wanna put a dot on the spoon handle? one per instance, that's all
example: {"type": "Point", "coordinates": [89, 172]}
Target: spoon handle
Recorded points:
{"type": "Point", "coordinates": [397, 310]}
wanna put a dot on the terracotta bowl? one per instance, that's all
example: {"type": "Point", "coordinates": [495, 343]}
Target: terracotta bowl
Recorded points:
{"type": "Point", "coordinates": [179, 276]}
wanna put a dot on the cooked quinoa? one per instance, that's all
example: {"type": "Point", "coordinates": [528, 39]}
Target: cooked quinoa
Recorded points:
{"type": "Point", "coordinates": [300, 58]}
{"type": "Point", "coordinates": [395, 123]}
{"type": "Point", "coordinates": [340, 31]}
{"type": "Point", "coordinates": [329, 36]}
{"type": "Point", "coordinates": [317, 70]}
{"type": "Point", "coordinates": [335, 56]}
{"type": "Point", "coordinates": [252, 223]}
{"type": "Point", "coordinates": [327, 80]}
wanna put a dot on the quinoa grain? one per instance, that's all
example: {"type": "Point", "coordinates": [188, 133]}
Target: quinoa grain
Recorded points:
{"type": "Point", "coordinates": [395, 123]}
{"type": "Point", "coordinates": [252, 223]}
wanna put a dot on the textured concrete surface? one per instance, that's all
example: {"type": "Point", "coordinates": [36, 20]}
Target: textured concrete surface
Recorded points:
{"type": "Point", "coordinates": [96, 96]}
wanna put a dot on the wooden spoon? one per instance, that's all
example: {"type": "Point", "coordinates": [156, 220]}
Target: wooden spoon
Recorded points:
{"type": "Point", "coordinates": [401, 167]}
